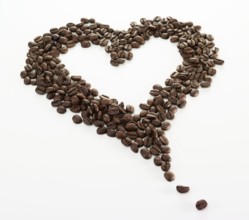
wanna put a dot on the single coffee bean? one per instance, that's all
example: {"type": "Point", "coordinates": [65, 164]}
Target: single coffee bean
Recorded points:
{"type": "Point", "coordinates": [165, 149]}
{"type": "Point", "coordinates": [169, 176]}
{"type": "Point", "coordinates": [174, 39]}
{"type": "Point", "coordinates": [145, 153]}
{"type": "Point", "coordinates": [131, 127]}
{"type": "Point", "coordinates": [77, 119]}
{"type": "Point", "coordinates": [139, 39]}
{"type": "Point", "coordinates": [61, 109]}
{"type": "Point", "coordinates": [134, 147]}
{"type": "Point", "coordinates": [120, 134]}
{"type": "Point", "coordinates": [101, 130]}
{"type": "Point", "coordinates": [165, 166]}
{"type": "Point", "coordinates": [157, 161]}
{"type": "Point", "coordinates": [166, 158]}
{"type": "Point", "coordinates": [85, 44]}
{"type": "Point", "coordinates": [155, 150]}
{"type": "Point", "coordinates": [165, 125]}
{"type": "Point", "coordinates": [205, 84]}
{"type": "Point", "coordinates": [182, 189]}
{"type": "Point", "coordinates": [201, 204]}
{"type": "Point", "coordinates": [194, 92]}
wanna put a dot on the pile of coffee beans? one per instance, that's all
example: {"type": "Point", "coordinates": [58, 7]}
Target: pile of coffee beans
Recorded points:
{"type": "Point", "coordinates": [143, 132]}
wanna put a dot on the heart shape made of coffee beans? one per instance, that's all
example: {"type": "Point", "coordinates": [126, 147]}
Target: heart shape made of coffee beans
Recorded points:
{"type": "Point", "coordinates": [144, 131]}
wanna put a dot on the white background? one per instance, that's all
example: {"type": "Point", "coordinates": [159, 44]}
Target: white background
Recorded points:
{"type": "Point", "coordinates": [53, 169]}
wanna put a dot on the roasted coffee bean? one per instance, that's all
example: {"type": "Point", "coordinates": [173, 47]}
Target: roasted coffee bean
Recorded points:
{"type": "Point", "coordinates": [131, 127]}
{"type": "Point", "coordinates": [157, 161]}
{"type": "Point", "coordinates": [165, 126]}
{"type": "Point", "coordinates": [155, 150]}
{"type": "Point", "coordinates": [101, 130]}
{"type": "Point", "coordinates": [61, 109]}
{"type": "Point", "coordinates": [134, 147]}
{"type": "Point", "coordinates": [111, 133]}
{"type": "Point", "coordinates": [169, 176]}
{"type": "Point", "coordinates": [135, 44]}
{"type": "Point", "coordinates": [164, 140]}
{"type": "Point", "coordinates": [205, 84]}
{"type": "Point", "coordinates": [174, 39]}
{"type": "Point", "coordinates": [77, 119]}
{"type": "Point", "coordinates": [85, 44]}
{"type": "Point", "coordinates": [194, 92]}
{"type": "Point", "coordinates": [113, 110]}
{"type": "Point", "coordinates": [139, 39]}
{"type": "Point", "coordinates": [201, 204]}
{"type": "Point", "coordinates": [165, 166]}
{"type": "Point", "coordinates": [165, 150]}
{"type": "Point", "coordinates": [166, 158]}
{"type": "Point", "coordinates": [218, 61]}
{"type": "Point", "coordinates": [182, 189]}
{"type": "Point", "coordinates": [145, 153]}
{"type": "Point", "coordinates": [120, 134]}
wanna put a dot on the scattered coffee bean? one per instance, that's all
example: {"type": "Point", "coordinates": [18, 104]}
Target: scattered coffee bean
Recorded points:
{"type": "Point", "coordinates": [77, 119]}
{"type": "Point", "coordinates": [145, 153]}
{"type": "Point", "coordinates": [61, 109]}
{"type": "Point", "coordinates": [201, 204]}
{"type": "Point", "coordinates": [169, 176]}
{"type": "Point", "coordinates": [157, 161]}
{"type": "Point", "coordinates": [182, 189]}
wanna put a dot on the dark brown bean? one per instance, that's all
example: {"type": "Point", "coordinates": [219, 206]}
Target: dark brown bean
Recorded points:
{"type": "Point", "coordinates": [101, 130]}
{"type": "Point", "coordinates": [201, 204]}
{"type": "Point", "coordinates": [131, 127]}
{"type": "Point", "coordinates": [61, 109]}
{"type": "Point", "coordinates": [157, 161]}
{"type": "Point", "coordinates": [182, 189]}
{"type": "Point", "coordinates": [120, 134]}
{"type": "Point", "coordinates": [145, 153]}
{"type": "Point", "coordinates": [77, 119]}
{"type": "Point", "coordinates": [169, 176]}
{"type": "Point", "coordinates": [155, 150]}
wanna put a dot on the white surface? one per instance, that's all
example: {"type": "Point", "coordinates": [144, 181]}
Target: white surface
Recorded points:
{"type": "Point", "coordinates": [52, 169]}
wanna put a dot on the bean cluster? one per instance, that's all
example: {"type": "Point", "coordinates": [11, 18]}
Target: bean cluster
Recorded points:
{"type": "Point", "coordinates": [144, 132]}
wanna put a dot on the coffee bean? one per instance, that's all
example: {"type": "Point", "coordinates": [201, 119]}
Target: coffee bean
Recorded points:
{"type": "Point", "coordinates": [201, 204]}
{"type": "Point", "coordinates": [120, 134]}
{"type": "Point", "coordinates": [174, 39]}
{"type": "Point", "coordinates": [166, 158]}
{"type": "Point", "coordinates": [157, 161]}
{"type": "Point", "coordinates": [182, 189]}
{"type": "Point", "coordinates": [135, 44]}
{"type": "Point", "coordinates": [169, 176]}
{"type": "Point", "coordinates": [76, 78]}
{"type": "Point", "coordinates": [113, 110]}
{"type": "Point", "coordinates": [101, 130]}
{"type": "Point", "coordinates": [218, 61]}
{"type": "Point", "coordinates": [131, 127]}
{"type": "Point", "coordinates": [134, 147]}
{"type": "Point", "coordinates": [155, 150]}
{"type": "Point", "coordinates": [85, 44]}
{"type": "Point", "coordinates": [165, 166]}
{"type": "Point", "coordinates": [61, 109]}
{"type": "Point", "coordinates": [165, 149]}
{"type": "Point", "coordinates": [194, 92]}
{"type": "Point", "coordinates": [205, 84]}
{"type": "Point", "coordinates": [139, 39]}
{"type": "Point", "coordinates": [164, 140]}
{"type": "Point", "coordinates": [77, 119]}
{"type": "Point", "coordinates": [165, 126]}
{"type": "Point", "coordinates": [145, 153]}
